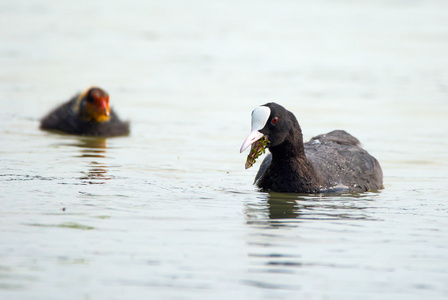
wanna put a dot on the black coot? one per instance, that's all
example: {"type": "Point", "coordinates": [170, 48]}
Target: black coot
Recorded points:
{"type": "Point", "coordinates": [88, 114]}
{"type": "Point", "coordinates": [331, 162]}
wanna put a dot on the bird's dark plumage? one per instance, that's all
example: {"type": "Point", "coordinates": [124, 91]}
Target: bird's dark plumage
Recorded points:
{"type": "Point", "coordinates": [327, 163]}
{"type": "Point", "coordinates": [82, 115]}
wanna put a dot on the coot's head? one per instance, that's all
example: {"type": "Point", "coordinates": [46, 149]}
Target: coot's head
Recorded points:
{"type": "Point", "coordinates": [93, 105]}
{"type": "Point", "coordinates": [272, 121]}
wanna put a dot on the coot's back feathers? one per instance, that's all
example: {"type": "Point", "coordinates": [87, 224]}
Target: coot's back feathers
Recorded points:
{"type": "Point", "coordinates": [337, 136]}
{"type": "Point", "coordinates": [339, 159]}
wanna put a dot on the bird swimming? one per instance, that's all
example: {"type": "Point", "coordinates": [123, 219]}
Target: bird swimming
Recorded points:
{"type": "Point", "coordinates": [331, 162]}
{"type": "Point", "coordinates": [88, 114]}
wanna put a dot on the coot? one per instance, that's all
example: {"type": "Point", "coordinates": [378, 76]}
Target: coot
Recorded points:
{"type": "Point", "coordinates": [332, 162]}
{"type": "Point", "coordinates": [88, 114]}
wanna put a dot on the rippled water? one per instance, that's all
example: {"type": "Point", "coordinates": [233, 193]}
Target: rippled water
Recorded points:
{"type": "Point", "coordinates": [169, 212]}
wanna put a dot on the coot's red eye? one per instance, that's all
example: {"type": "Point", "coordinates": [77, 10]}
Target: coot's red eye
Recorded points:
{"type": "Point", "coordinates": [274, 120]}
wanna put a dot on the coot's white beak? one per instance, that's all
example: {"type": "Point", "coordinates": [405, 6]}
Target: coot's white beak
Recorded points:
{"type": "Point", "coordinates": [260, 116]}
{"type": "Point", "coordinates": [254, 136]}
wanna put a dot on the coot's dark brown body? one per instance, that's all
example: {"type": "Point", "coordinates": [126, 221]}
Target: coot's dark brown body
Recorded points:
{"type": "Point", "coordinates": [331, 162]}
{"type": "Point", "coordinates": [86, 115]}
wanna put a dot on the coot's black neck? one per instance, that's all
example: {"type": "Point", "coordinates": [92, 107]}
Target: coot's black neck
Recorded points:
{"type": "Point", "coordinates": [290, 169]}
{"type": "Point", "coordinates": [292, 147]}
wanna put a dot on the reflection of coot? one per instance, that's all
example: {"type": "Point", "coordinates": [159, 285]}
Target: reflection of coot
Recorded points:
{"type": "Point", "coordinates": [92, 147]}
{"type": "Point", "coordinates": [86, 114]}
{"type": "Point", "coordinates": [329, 162]}
{"type": "Point", "coordinates": [282, 206]}
{"type": "Point", "coordinates": [97, 174]}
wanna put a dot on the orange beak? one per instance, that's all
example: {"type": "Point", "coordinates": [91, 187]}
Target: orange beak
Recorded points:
{"type": "Point", "coordinates": [101, 110]}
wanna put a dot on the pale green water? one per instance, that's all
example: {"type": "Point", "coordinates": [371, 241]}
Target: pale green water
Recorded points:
{"type": "Point", "coordinates": [170, 212]}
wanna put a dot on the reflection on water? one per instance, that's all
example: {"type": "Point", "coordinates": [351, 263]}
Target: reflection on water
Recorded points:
{"type": "Point", "coordinates": [282, 206]}
{"type": "Point", "coordinates": [91, 147]}
{"type": "Point", "coordinates": [293, 216]}
{"type": "Point", "coordinates": [94, 148]}
{"type": "Point", "coordinates": [287, 209]}
{"type": "Point", "coordinates": [96, 174]}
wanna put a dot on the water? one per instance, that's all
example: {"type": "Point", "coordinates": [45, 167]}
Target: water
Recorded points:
{"type": "Point", "coordinates": [169, 212]}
